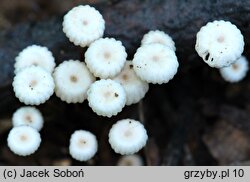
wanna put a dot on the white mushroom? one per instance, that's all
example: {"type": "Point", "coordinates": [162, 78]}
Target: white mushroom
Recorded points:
{"type": "Point", "coordinates": [72, 80]}
{"type": "Point", "coordinates": [83, 25]}
{"type": "Point", "coordinates": [236, 71]}
{"type": "Point", "coordinates": [105, 57]}
{"type": "Point", "coordinates": [29, 116]}
{"type": "Point", "coordinates": [23, 140]}
{"type": "Point", "coordinates": [155, 63]}
{"type": "Point", "coordinates": [35, 55]}
{"type": "Point", "coordinates": [219, 43]}
{"type": "Point", "coordinates": [33, 85]}
{"type": "Point", "coordinates": [135, 88]}
{"type": "Point", "coordinates": [130, 160]}
{"type": "Point", "coordinates": [106, 97]}
{"type": "Point", "coordinates": [157, 36]}
{"type": "Point", "coordinates": [83, 145]}
{"type": "Point", "coordinates": [127, 136]}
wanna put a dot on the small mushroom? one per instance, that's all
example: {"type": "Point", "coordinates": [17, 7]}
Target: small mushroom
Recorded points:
{"type": "Point", "coordinates": [157, 36]}
{"type": "Point", "coordinates": [219, 43]}
{"type": "Point", "coordinates": [155, 63]}
{"type": "Point", "coordinates": [35, 55]}
{"type": "Point", "coordinates": [127, 136]}
{"type": "Point", "coordinates": [23, 140]}
{"type": "Point", "coordinates": [236, 71]}
{"type": "Point", "coordinates": [33, 85]}
{"type": "Point", "coordinates": [106, 97]}
{"type": "Point", "coordinates": [29, 116]}
{"type": "Point", "coordinates": [105, 57]}
{"type": "Point", "coordinates": [72, 80]}
{"type": "Point", "coordinates": [135, 88]}
{"type": "Point", "coordinates": [130, 160]}
{"type": "Point", "coordinates": [83, 25]}
{"type": "Point", "coordinates": [83, 145]}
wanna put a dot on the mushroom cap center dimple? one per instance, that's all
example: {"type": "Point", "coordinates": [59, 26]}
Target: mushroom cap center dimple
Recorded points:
{"type": "Point", "coordinates": [128, 133]}
{"type": "Point", "coordinates": [107, 94]}
{"type": "Point", "coordinates": [82, 142]}
{"type": "Point", "coordinates": [32, 84]}
{"type": "Point", "coordinates": [235, 66]}
{"type": "Point", "coordinates": [23, 137]}
{"type": "Point", "coordinates": [35, 63]}
{"type": "Point", "coordinates": [73, 79]}
{"type": "Point", "coordinates": [155, 58]}
{"type": "Point", "coordinates": [221, 39]}
{"type": "Point", "coordinates": [28, 119]}
{"type": "Point", "coordinates": [85, 22]}
{"type": "Point", "coordinates": [107, 55]}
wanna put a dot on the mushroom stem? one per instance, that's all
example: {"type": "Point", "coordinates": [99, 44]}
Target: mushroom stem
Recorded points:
{"type": "Point", "coordinates": [142, 120]}
{"type": "Point", "coordinates": [82, 51]}
{"type": "Point", "coordinates": [141, 112]}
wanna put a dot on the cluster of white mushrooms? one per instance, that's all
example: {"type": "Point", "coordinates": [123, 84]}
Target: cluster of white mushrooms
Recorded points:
{"type": "Point", "coordinates": [221, 44]}
{"type": "Point", "coordinates": [24, 138]}
{"type": "Point", "coordinates": [108, 81]}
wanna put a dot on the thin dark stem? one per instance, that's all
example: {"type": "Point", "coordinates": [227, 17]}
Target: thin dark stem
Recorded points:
{"type": "Point", "coordinates": [141, 112]}
{"type": "Point", "coordinates": [142, 120]}
{"type": "Point", "coordinates": [82, 52]}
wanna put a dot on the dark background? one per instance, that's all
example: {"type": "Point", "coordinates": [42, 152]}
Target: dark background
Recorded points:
{"type": "Point", "coordinates": [195, 119]}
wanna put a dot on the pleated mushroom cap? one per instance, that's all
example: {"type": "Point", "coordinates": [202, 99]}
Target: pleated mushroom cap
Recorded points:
{"type": "Point", "coordinates": [155, 63]}
{"type": "Point", "coordinates": [157, 36]}
{"type": "Point", "coordinates": [106, 97]}
{"type": "Point", "coordinates": [219, 43]}
{"type": "Point", "coordinates": [83, 25]}
{"type": "Point", "coordinates": [23, 140]}
{"type": "Point", "coordinates": [33, 85]}
{"type": "Point", "coordinates": [29, 116]}
{"type": "Point", "coordinates": [127, 136]}
{"type": "Point", "coordinates": [35, 55]}
{"type": "Point", "coordinates": [83, 145]}
{"type": "Point", "coordinates": [236, 71]}
{"type": "Point", "coordinates": [106, 57]}
{"type": "Point", "coordinates": [72, 80]}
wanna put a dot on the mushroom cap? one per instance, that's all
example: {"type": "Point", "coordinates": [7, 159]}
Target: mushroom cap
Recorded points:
{"type": "Point", "coordinates": [130, 160]}
{"type": "Point", "coordinates": [155, 63]}
{"type": "Point", "coordinates": [219, 43]}
{"type": "Point", "coordinates": [157, 36]}
{"type": "Point", "coordinates": [83, 25]}
{"type": "Point", "coordinates": [72, 80]}
{"type": "Point", "coordinates": [83, 145]}
{"type": "Point", "coordinates": [236, 71]}
{"type": "Point", "coordinates": [106, 97]}
{"type": "Point", "coordinates": [35, 55]}
{"type": "Point", "coordinates": [105, 57]}
{"type": "Point", "coordinates": [135, 88]}
{"type": "Point", "coordinates": [127, 136]}
{"type": "Point", "coordinates": [29, 116]}
{"type": "Point", "coordinates": [33, 85]}
{"type": "Point", "coordinates": [23, 140]}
